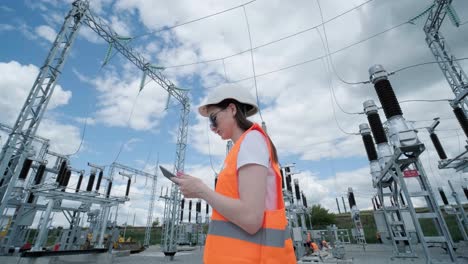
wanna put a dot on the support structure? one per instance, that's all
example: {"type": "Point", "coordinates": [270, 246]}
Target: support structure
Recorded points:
{"type": "Point", "coordinates": [402, 166]}
{"type": "Point", "coordinates": [462, 219]}
{"type": "Point", "coordinates": [16, 148]}
{"type": "Point", "coordinates": [457, 211]}
{"type": "Point", "coordinates": [356, 217]}
{"type": "Point", "coordinates": [149, 221]}
{"type": "Point", "coordinates": [453, 72]}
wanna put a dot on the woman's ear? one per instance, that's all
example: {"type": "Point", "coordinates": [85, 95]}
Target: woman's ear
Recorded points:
{"type": "Point", "coordinates": [233, 109]}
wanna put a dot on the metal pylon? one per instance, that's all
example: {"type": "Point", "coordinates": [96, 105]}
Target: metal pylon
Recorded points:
{"type": "Point", "coordinates": [20, 139]}
{"type": "Point", "coordinates": [410, 168]}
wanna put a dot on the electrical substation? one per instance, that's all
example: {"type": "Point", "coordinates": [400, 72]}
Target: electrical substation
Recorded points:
{"type": "Point", "coordinates": [35, 181]}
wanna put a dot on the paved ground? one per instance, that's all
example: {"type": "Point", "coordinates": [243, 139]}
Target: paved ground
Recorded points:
{"type": "Point", "coordinates": [374, 254]}
{"type": "Point", "coordinates": [382, 254]}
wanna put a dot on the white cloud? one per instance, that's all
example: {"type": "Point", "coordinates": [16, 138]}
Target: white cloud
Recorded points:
{"type": "Point", "coordinates": [6, 27]}
{"type": "Point", "coordinates": [296, 103]}
{"type": "Point", "coordinates": [46, 32]}
{"type": "Point", "coordinates": [64, 138]}
{"type": "Point", "coordinates": [120, 103]}
{"type": "Point", "coordinates": [16, 81]}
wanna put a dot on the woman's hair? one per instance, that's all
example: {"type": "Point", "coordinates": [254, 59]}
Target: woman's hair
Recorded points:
{"type": "Point", "coordinates": [242, 120]}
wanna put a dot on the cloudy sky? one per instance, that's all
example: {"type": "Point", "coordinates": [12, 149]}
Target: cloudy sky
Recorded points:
{"type": "Point", "coordinates": [295, 82]}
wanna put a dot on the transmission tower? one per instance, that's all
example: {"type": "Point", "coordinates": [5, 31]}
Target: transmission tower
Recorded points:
{"type": "Point", "coordinates": [149, 221]}
{"type": "Point", "coordinates": [454, 74]}
{"type": "Point", "coordinates": [19, 141]}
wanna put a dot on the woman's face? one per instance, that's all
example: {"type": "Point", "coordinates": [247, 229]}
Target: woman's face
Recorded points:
{"type": "Point", "coordinates": [221, 121]}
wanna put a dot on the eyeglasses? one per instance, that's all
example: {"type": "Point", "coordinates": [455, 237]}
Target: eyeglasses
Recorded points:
{"type": "Point", "coordinates": [213, 123]}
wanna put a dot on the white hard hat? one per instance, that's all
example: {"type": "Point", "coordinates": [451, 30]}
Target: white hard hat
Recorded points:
{"type": "Point", "coordinates": [230, 91]}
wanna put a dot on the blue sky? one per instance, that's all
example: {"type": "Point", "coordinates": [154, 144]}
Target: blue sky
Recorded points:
{"type": "Point", "coordinates": [295, 102]}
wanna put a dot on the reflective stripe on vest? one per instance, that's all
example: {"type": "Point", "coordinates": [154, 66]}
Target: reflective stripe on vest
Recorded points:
{"type": "Point", "coordinates": [265, 236]}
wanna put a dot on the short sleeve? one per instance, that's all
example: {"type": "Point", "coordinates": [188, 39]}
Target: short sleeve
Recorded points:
{"type": "Point", "coordinates": [253, 150]}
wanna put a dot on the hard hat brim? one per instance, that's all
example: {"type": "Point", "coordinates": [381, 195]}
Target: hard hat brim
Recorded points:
{"type": "Point", "coordinates": [203, 110]}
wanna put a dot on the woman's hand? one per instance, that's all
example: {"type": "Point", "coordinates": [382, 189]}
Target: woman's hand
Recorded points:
{"type": "Point", "coordinates": [191, 187]}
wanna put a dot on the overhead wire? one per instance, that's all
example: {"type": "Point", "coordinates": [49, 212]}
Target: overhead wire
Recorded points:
{"type": "Point", "coordinates": [253, 64]}
{"type": "Point", "coordinates": [333, 105]}
{"type": "Point", "coordinates": [425, 63]}
{"type": "Point", "coordinates": [327, 51]}
{"type": "Point", "coordinates": [209, 149]}
{"type": "Point", "coordinates": [330, 86]}
{"type": "Point", "coordinates": [192, 21]}
{"type": "Point", "coordinates": [270, 42]}
{"type": "Point", "coordinates": [316, 58]}
{"type": "Point", "coordinates": [128, 122]}
{"type": "Point", "coordinates": [332, 89]}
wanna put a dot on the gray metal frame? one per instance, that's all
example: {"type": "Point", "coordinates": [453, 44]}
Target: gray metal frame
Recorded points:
{"type": "Point", "coordinates": [31, 114]}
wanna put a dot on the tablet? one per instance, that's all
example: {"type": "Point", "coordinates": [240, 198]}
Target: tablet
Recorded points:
{"type": "Point", "coordinates": [167, 173]}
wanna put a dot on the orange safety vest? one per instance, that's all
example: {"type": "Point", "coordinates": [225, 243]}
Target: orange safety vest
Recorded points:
{"type": "Point", "coordinates": [227, 243]}
{"type": "Point", "coordinates": [314, 246]}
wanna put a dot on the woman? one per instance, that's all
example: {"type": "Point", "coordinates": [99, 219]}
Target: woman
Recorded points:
{"type": "Point", "coordinates": [248, 223]}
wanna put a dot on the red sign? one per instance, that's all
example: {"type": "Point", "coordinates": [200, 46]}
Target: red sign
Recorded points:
{"type": "Point", "coordinates": [410, 173]}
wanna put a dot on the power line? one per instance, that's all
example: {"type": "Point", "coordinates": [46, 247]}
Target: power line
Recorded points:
{"type": "Point", "coordinates": [128, 122]}
{"type": "Point", "coordinates": [209, 150]}
{"type": "Point", "coordinates": [269, 43]}
{"type": "Point", "coordinates": [310, 60]}
{"type": "Point", "coordinates": [327, 51]}
{"type": "Point", "coordinates": [253, 64]}
{"type": "Point", "coordinates": [424, 100]}
{"type": "Point", "coordinates": [332, 89]}
{"type": "Point", "coordinates": [425, 63]}
{"type": "Point", "coordinates": [82, 139]}
{"type": "Point", "coordinates": [332, 103]}
{"type": "Point", "coordinates": [191, 21]}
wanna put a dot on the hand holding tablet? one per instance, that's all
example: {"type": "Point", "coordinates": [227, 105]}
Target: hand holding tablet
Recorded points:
{"type": "Point", "coordinates": [168, 174]}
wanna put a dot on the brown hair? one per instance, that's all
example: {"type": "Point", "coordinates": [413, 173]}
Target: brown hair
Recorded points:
{"type": "Point", "coordinates": [242, 120]}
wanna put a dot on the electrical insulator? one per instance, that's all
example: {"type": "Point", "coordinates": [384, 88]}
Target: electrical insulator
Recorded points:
{"type": "Point", "coordinates": [66, 178]}
{"type": "Point", "coordinates": [128, 187]}
{"type": "Point", "coordinates": [296, 189]}
{"type": "Point", "coordinates": [109, 189]}
{"type": "Point", "coordinates": [287, 171]}
{"type": "Point", "coordinates": [461, 117]}
{"type": "Point", "coordinates": [216, 181]}
{"type": "Point", "coordinates": [304, 200]}
{"type": "Point", "coordinates": [25, 170]}
{"type": "Point", "coordinates": [370, 147]}
{"type": "Point", "coordinates": [375, 123]}
{"type": "Point", "coordinates": [351, 200]}
{"type": "Point", "coordinates": [91, 181]}
{"type": "Point", "coordinates": [373, 204]}
{"type": "Point", "coordinates": [30, 198]}
{"type": "Point", "coordinates": [438, 146]}
{"type": "Point", "coordinates": [190, 211]}
{"type": "Point", "coordinates": [98, 184]}
{"type": "Point", "coordinates": [198, 207]}
{"type": "Point", "coordinates": [207, 209]}
{"type": "Point", "coordinates": [182, 204]}
{"type": "Point", "coordinates": [80, 179]}
{"type": "Point", "coordinates": [39, 174]}
{"type": "Point", "coordinates": [387, 97]}
{"type": "Point", "coordinates": [442, 195]}
{"type": "Point", "coordinates": [377, 204]}
{"type": "Point", "coordinates": [61, 172]}
{"type": "Point", "coordinates": [282, 178]}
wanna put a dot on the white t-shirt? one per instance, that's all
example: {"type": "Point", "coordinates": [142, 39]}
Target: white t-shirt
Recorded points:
{"type": "Point", "coordinates": [254, 150]}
